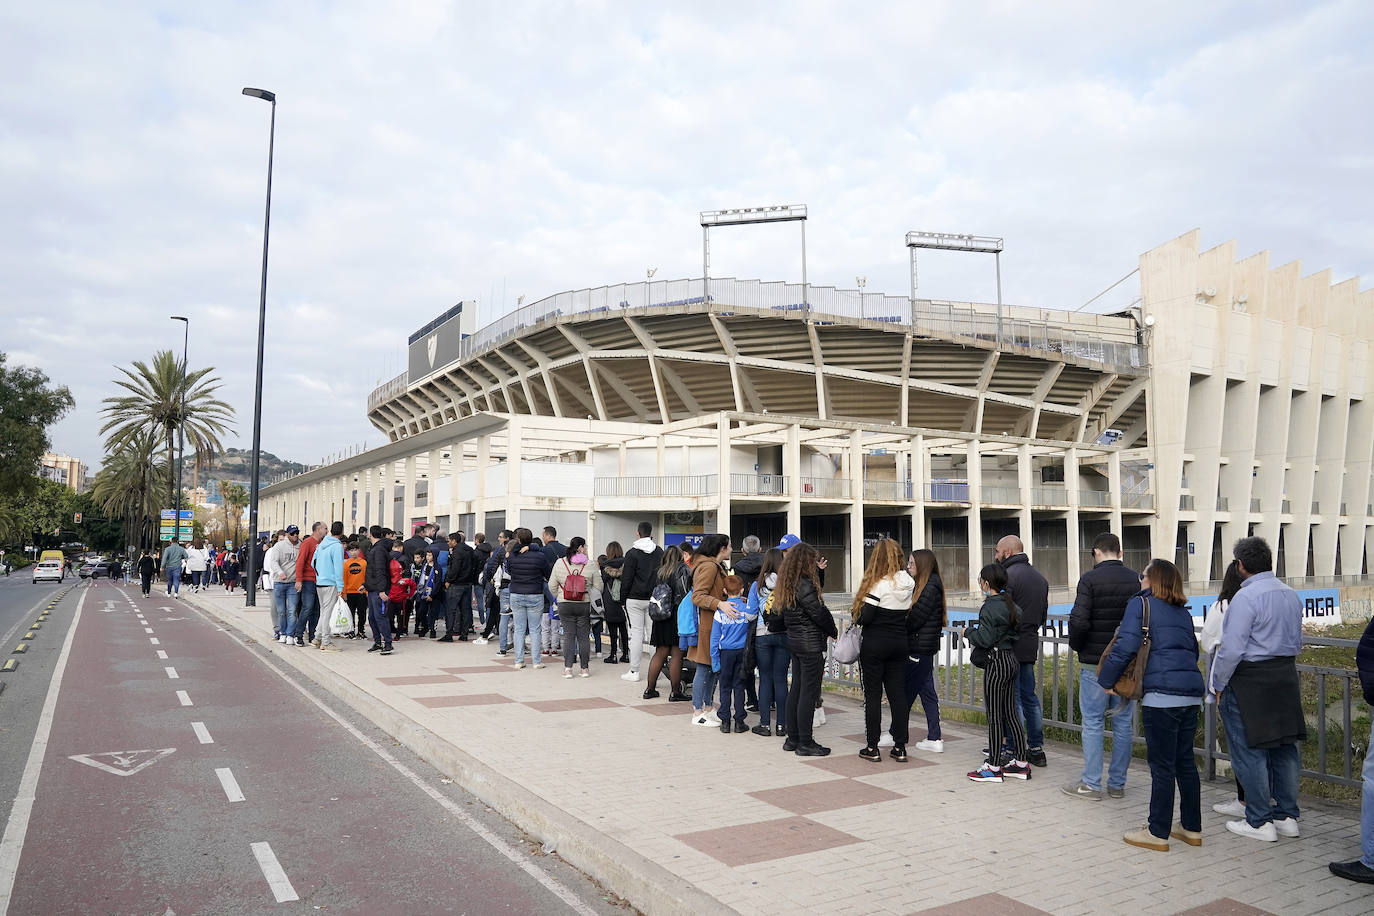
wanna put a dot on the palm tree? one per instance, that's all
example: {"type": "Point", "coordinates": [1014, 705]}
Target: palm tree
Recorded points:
{"type": "Point", "coordinates": [161, 398]}
{"type": "Point", "coordinates": [129, 484]}
{"type": "Point", "coordinates": [235, 498]}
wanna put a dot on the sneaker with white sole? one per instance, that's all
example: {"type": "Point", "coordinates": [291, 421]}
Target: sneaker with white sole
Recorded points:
{"type": "Point", "coordinates": [1288, 827]}
{"type": "Point", "coordinates": [630, 676]}
{"type": "Point", "coordinates": [1233, 808]}
{"type": "Point", "coordinates": [885, 740]}
{"type": "Point", "coordinates": [1265, 832]}
{"type": "Point", "coordinates": [936, 746]}
{"type": "Point", "coordinates": [480, 641]}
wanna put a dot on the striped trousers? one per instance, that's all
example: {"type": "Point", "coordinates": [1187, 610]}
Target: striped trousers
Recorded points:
{"type": "Point", "coordinates": [999, 699]}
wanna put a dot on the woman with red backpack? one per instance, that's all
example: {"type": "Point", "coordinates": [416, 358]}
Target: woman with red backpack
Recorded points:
{"type": "Point", "coordinates": [572, 581]}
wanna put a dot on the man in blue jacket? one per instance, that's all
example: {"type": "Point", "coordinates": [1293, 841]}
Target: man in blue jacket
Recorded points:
{"type": "Point", "coordinates": [1362, 869]}
{"type": "Point", "coordinates": [328, 563]}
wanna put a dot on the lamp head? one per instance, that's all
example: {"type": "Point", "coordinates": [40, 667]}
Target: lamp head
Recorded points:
{"type": "Point", "coordinates": [180, 318]}
{"type": "Point", "coordinates": [263, 94]}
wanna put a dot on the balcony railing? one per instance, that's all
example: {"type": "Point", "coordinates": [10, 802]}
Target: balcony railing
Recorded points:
{"type": "Point", "coordinates": [1049, 496]}
{"type": "Point", "coordinates": [1095, 499]}
{"type": "Point", "coordinates": [1185, 501]}
{"type": "Point", "coordinates": [1001, 496]}
{"type": "Point", "coordinates": [661, 487]}
{"type": "Point", "coordinates": [890, 490]}
{"type": "Point", "coordinates": [1316, 507]}
{"type": "Point", "coordinates": [824, 488]}
{"type": "Point", "coordinates": [1343, 512]}
{"type": "Point", "coordinates": [1223, 504]}
{"type": "Point", "coordinates": [1255, 504]}
{"type": "Point", "coordinates": [1286, 507]}
{"type": "Point", "coordinates": [1133, 500]}
{"type": "Point", "coordinates": [947, 492]}
{"type": "Point", "coordinates": [758, 485]}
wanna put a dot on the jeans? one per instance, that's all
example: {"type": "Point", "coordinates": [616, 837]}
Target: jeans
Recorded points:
{"type": "Point", "coordinates": [376, 615]}
{"type": "Point", "coordinates": [802, 696]}
{"type": "Point", "coordinates": [731, 685]}
{"type": "Point", "coordinates": [1169, 750]}
{"type": "Point", "coordinates": [528, 614]}
{"type": "Point", "coordinates": [1367, 805]}
{"type": "Point", "coordinates": [882, 667]}
{"type": "Point", "coordinates": [774, 658]}
{"type": "Point", "coordinates": [577, 629]}
{"type": "Point", "coordinates": [1028, 707]}
{"type": "Point", "coordinates": [1096, 704]}
{"type": "Point", "coordinates": [288, 602]}
{"type": "Point", "coordinates": [1264, 772]}
{"type": "Point", "coordinates": [173, 580]}
{"type": "Point", "coordinates": [503, 624]}
{"type": "Point", "coordinates": [308, 619]}
{"type": "Point", "coordinates": [196, 576]}
{"type": "Point", "coordinates": [920, 680]}
{"type": "Point", "coordinates": [637, 618]}
{"type": "Point", "coordinates": [327, 595]}
{"type": "Point", "coordinates": [703, 687]}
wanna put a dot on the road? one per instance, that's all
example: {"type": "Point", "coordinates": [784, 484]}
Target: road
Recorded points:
{"type": "Point", "coordinates": [154, 763]}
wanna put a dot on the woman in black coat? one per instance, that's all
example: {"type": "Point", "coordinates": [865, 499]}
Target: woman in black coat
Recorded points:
{"type": "Point", "coordinates": [809, 625]}
{"type": "Point", "coordinates": [925, 627]}
{"type": "Point", "coordinates": [613, 604]}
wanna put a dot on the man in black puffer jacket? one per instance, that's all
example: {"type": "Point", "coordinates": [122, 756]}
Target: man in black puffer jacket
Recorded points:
{"type": "Point", "coordinates": [377, 581]}
{"type": "Point", "coordinates": [1031, 593]}
{"type": "Point", "coordinates": [1097, 611]}
{"type": "Point", "coordinates": [1362, 869]}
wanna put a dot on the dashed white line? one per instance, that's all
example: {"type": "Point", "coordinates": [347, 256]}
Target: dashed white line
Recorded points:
{"type": "Point", "coordinates": [162, 654]}
{"type": "Point", "coordinates": [171, 672]}
{"type": "Point", "coordinates": [202, 733]}
{"type": "Point", "coordinates": [184, 697]}
{"type": "Point", "coordinates": [274, 873]}
{"type": "Point", "coordinates": [154, 640]}
{"type": "Point", "coordinates": [231, 787]}
{"type": "Point", "coordinates": [147, 629]}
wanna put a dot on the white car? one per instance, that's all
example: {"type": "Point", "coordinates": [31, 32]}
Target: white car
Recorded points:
{"type": "Point", "coordinates": [49, 570]}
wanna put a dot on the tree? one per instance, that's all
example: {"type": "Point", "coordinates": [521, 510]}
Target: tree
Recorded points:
{"type": "Point", "coordinates": [154, 403]}
{"type": "Point", "coordinates": [38, 511]}
{"type": "Point", "coordinates": [98, 528]}
{"type": "Point", "coordinates": [235, 498]}
{"type": "Point", "coordinates": [129, 486]}
{"type": "Point", "coordinates": [27, 408]}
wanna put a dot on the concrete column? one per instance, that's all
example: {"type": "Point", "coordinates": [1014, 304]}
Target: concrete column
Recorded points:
{"type": "Point", "coordinates": [722, 474]}
{"type": "Point", "coordinates": [622, 460]}
{"type": "Point", "coordinates": [410, 510]}
{"type": "Point", "coordinates": [1114, 482]}
{"type": "Point", "coordinates": [479, 499]}
{"type": "Point", "coordinates": [1024, 482]}
{"type": "Point", "coordinates": [917, 469]}
{"type": "Point", "coordinates": [791, 467]}
{"type": "Point", "coordinates": [856, 510]}
{"type": "Point", "coordinates": [1074, 565]}
{"type": "Point", "coordinates": [513, 435]}
{"type": "Point", "coordinates": [660, 456]}
{"type": "Point", "coordinates": [432, 474]}
{"type": "Point", "coordinates": [975, 513]}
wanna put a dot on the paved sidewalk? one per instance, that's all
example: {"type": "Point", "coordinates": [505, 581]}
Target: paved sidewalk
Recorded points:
{"type": "Point", "coordinates": [682, 819]}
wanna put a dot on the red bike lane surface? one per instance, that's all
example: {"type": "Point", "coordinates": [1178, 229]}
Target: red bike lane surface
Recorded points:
{"type": "Point", "coordinates": [351, 834]}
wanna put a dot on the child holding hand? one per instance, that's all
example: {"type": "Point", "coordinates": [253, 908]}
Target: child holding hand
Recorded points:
{"type": "Point", "coordinates": [729, 631]}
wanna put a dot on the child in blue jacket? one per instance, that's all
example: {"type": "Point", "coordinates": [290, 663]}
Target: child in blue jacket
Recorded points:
{"type": "Point", "coordinates": [729, 631]}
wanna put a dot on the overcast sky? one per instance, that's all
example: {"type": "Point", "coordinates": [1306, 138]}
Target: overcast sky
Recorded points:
{"type": "Point", "coordinates": [431, 152]}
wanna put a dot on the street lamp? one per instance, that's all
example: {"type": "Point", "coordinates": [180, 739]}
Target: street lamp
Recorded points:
{"type": "Point", "coordinates": [181, 420]}
{"type": "Point", "coordinates": [253, 572]}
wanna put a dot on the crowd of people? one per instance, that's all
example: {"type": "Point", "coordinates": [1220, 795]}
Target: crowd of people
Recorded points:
{"type": "Point", "coordinates": [751, 637]}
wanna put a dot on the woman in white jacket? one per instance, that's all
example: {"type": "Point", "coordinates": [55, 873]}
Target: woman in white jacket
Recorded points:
{"type": "Point", "coordinates": [1210, 640]}
{"type": "Point", "coordinates": [881, 603]}
{"type": "Point", "coordinates": [197, 561]}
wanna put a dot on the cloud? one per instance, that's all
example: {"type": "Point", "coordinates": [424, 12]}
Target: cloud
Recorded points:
{"type": "Point", "coordinates": [433, 152]}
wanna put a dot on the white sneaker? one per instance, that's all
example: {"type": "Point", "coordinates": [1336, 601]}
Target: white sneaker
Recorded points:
{"type": "Point", "coordinates": [818, 719]}
{"type": "Point", "coordinates": [886, 740]}
{"type": "Point", "coordinates": [1233, 808]}
{"type": "Point", "coordinates": [707, 718]}
{"type": "Point", "coordinates": [480, 641]}
{"type": "Point", "coordinates": [1267, 833]}
{"type": "Point", "coordinates": [935, 747]}
{"type": "Point", "coordinates": [1286, 827]}
{"type": "Point", "coordinates": [285, 640]}
{"type": "Point", "coordinates": [567, 673]}
{"type": "Point", "coordinates": [538, 664]}
{"type": "Point", "coordinates": [630, 676]}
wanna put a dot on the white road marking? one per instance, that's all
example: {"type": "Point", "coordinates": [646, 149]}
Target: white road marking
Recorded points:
{"type": "Point", "coordinates": [147, 629]}
{"type": "Point", "coordinates": [123, 763]}
{"type": "Point", "coordinates": [202, 733]}
{"type": "Point", "coordinates": [171, 672]}
{"type": "Point", "coordinates": [162, 654]}
{"type": "Point", "coordinates": [231, 788]}
{"type": "Point", "coordinates": [154, 640]}
{"type": "Point", "coordinates": [515, 855]}
{"type": "Point", "coordinates": [18, 824]}
{"type": "Point", "coordinates": [184, 697]}
{"type": "Point", "coordinates": [274, 873]}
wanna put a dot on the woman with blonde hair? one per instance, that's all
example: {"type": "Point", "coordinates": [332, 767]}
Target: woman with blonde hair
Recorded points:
{"type": "Point", "coordinates": [881, 603]}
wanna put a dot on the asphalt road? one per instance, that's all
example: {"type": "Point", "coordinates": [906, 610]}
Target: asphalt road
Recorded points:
{"type": "Point", "coordinates": [184, 771]}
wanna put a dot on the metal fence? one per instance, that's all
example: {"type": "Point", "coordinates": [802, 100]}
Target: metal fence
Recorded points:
{"type": "Point", "coordinates": [1338, 698]}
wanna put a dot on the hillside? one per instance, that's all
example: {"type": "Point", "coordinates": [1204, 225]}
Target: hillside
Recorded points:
{"type": "Point", "coordinates": [235, 466]}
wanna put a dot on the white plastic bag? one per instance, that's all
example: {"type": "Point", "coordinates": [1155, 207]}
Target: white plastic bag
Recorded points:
{"type": "Point", "coordinates": [341, 617]}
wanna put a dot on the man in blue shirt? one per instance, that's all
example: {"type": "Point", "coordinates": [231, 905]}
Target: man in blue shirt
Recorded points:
{"type": "Point", "coordinates": [1255, 678]}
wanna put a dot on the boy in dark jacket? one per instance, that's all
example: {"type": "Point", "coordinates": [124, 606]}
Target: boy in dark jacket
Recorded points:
{"type": "Point", "coordinates": [1097, 611]}
{"type": "Point", "coordinates": [1030, 591]}
{"type": "Point", "coordinates": [377, 580]}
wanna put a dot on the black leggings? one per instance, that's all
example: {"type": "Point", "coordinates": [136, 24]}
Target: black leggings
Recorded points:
{"type": "Point", "coordinates": [804, 695]}
{"type": "Point", "coordinates": [999, 697]}
{"type": "Point", "coordinates": [618, 635]}
{"type": "Point", "coordinates": [882, 666]}
{"type": "Point", "coordinates": [357, 603]}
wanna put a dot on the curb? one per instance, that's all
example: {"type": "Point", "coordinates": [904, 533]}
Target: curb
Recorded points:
{"type": "Point", "coordinates": [645, 884]}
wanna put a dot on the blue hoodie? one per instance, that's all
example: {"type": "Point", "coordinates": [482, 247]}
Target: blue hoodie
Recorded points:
{"type": "Point", "coordinates": [328, 562]}
{"type": "Point", "coordinates": [727, 633]}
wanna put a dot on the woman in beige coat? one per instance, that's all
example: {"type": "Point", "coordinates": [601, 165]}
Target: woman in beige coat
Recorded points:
{"type": "Point", "coordinates": [708, 592]}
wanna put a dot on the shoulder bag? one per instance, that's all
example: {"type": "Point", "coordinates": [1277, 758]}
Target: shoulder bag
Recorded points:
{"type": "Point", "coordinates": [1131, 684]}
{"type": "Point", "coordinates": [848, 646]}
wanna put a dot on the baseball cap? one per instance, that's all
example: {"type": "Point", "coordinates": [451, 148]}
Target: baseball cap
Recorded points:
{"type": "Point", "coordinates": [294, 529]}
{"type": "Point", "coordinates": [788, 540]}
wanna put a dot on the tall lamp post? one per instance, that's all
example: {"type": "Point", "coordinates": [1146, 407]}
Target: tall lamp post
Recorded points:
{"type": "Point", "coordinates": [253, 572]}
{"type": "Point", "coordinates": [181, 417]}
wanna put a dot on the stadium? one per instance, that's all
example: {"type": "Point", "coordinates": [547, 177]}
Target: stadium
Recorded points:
{"type": "Point", "coordinates": [1233, 397]}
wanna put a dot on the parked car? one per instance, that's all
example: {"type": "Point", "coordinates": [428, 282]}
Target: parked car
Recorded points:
{"type": "Point", "coordinates": [92, 570]}
{"type": "Point", "coordinates": [48, 571]}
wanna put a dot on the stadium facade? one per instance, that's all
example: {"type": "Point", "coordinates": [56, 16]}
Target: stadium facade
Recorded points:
{"type": "Point", "coordinates": [1235, 397]}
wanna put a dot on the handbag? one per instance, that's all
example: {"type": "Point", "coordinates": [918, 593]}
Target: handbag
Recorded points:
{"type": "Point", "coordinates": [1131, 684]}
{"type": "Point", "coordinates": [978, 657]}
{"type": "Point", "coordinates": [847, 647]}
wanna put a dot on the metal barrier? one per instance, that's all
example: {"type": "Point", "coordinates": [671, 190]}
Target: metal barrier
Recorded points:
{"type": "Point", "coordinates": [1057, 677]}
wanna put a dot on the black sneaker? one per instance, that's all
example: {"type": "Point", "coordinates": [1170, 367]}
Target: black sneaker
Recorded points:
{"type": "Point", "coordinates": [751, 707]}
{"type": "Point", "coordinates": [462, 639]}
{"type": "Point", "coordinates": [811, 749]}
{"type": "Point", "coordinates": [376, 647]}
{"type": "Point", "coordinates": [446, 638]}
{"type": "Point", "coordinates": [300, 640]}
{"type": "Point", "coordinates": [608, 660]}
{"type": "Point", "coordinates": [740, 727]}
{"type": "Point", "coordinates": [898, 753]}
{"type": "Point", "coordinates": [789, 745]}
{"type": "Point", "coordinates": [725, 727]}
{"type": "Point", "coordinates": [651, 694]}
{"type": "Point", "coordinates": [679, 697]}
{"type": "Point", "coordinates": [765, 731]}
{"type": "Point", "coordinates": [871, 754]}
{"type": "Point", "coordinates": [1036, 757]}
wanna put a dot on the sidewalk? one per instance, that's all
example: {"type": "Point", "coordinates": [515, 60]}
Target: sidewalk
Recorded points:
{"type": "Point", "coordinates": [681, 819]}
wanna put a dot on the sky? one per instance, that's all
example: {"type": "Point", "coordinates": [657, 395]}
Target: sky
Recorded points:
{"type": "Point", "coordinates": [433, 152]}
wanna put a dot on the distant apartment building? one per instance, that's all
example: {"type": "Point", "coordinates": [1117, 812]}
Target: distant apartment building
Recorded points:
{"type": "Point", "coordinates": [63, 469]}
